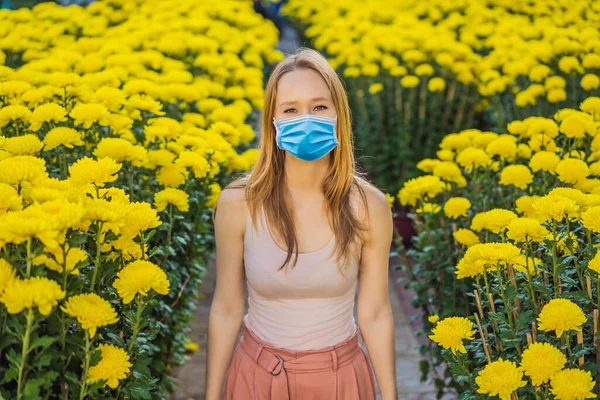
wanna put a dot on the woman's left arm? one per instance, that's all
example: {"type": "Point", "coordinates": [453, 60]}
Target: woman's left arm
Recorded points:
{"type": "Point", "coordinates": [373, 306]}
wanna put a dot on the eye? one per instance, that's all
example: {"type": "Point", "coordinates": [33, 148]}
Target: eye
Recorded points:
{"type": "Point", "coordinates": [324, 107]}
{"type": "Point", "coordinates": [289, 110]}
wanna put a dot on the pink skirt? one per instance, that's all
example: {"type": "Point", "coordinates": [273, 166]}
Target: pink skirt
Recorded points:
{"type": "Point", "coordinates": [259, 371]}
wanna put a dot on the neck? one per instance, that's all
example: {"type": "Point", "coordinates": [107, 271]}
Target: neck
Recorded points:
{"type": "Point", "coordinates": [305, 177]}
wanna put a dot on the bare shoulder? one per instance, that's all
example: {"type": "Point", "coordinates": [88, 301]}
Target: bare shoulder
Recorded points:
{"type": "Point", "coordinates": [232, 210]}
{"type": "Point", "coordinates": [374, 207]}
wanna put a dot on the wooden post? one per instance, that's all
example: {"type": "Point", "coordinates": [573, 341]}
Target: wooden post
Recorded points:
{"type": "Point", "coordinates": [485, 348]}
{"type": "Point", "coordinates": [580, 341]}
{"type": "Point", "coordinates": [588, 283]}
{"type": "Point", "coordinates": [479, 308]}
{"type": "Point", "coordinates": [495, 323]}
{"type": "Point", "coordinates": [534, 331]}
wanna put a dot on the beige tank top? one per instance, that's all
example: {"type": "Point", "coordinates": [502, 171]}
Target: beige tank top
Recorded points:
{"type": "Point", "coordinates": [309, 307]}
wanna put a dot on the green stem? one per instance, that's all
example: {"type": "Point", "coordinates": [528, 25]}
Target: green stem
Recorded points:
{"type": "Point", "coordinates": [530, 278]}
{"type": "Point", "coordinates": [65, 273]}
{"type": "Point", "coordinates": [86, 366]}
{"type": "Point", "coordinates": [98, 253]}
{"type": "Point", "coordinates": [598, 290]}
{"type": "Point", "coordinates": [554, 260]}
{"type": "Point", "coordinates": [487, 285]}
{"type": "Point", "coordinates": [568, 341]}
{"type": "Point", "coordinates": [24, 352]}
{"type": "Point", "coordinates": [28, 261]}
{"type": "Point", "coordinates": [136, 324]}
{"type": "Point", "coordinates": [503, 295]}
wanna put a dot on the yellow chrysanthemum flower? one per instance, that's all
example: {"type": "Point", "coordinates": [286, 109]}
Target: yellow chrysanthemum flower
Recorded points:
{"type": "Point", "coordinates": [484, 256]}
{"type": "Point", "coordinates": [433, 318]}
{"type": "Point", "coordinates": [121, 150]}
{"type": "Point", "coordinates": [7, 274]}
{"type": "Point", "coordinates": [388, 196]}
{"type": "Point", "coordinates": [427, 164]}
{"type": "Point", "coordinates": [14, 113]}
{"type": "Point", "coordinates": [594, 263]}
{"type": "Point", "coordinates": [466, 237]}
{"type": "Point", "coordinates": [88, 113]}
{"type": "Point", "coordinates": [554, 208]}
{"type": "Point", "coordinates": [495, 220]}
{"type": "Point", "coordinates": [541, 361]}
{"type": "Point", "coordinates": [160, 158]}
{"type": "Point", "coordinates": [436, 84]}
{"type": "Point", "coordinates": [421, 188]}
{"type": "Point", "coordinates": [375, 88]}
{"type": "Point", "coordinates": [38, 292]}
{"type": "Point", "coordinates": [167, 196]}
{"type": "Point", "coordinates": [18, 226]}
{"type": "Point", "coordinates": [544, 161]}
{"type": "Point", "coordinates": [139, 217]}
{"type": "Point", "coordinates": [97, 172]}
{"type": "Point", "coordinates": [591, 105]}
{"type": "Point", "coordinates": [64, 136]}
{"type": "Point", "coordinates": [473, 157]}
{"type": "Point", "coordinates": [561, 315]}
{"type": "Point", "coordinates": [49, 112]}
{"type": "Point", "coordinates": [23, 145]}
{"type": "Point", "coordinates": [572, 170]}
{"type": "Point", "coordinates": [504, 147]}
{"type": "Point", "coordinates": [91, 311]}
{"type": "Point", "coordinates": [591, 219]}
{"type": "Point", "coordinates": [524, 205]}
{"type": "Point", "coordinates": [525, 230]}
{"type": "Point", "coordinates": [516, 175]}
{"type": "Point", "coordinates": [199, 164]}
{"type": "Point", "coordinates": [19, 169]}
{"type": "Point", "coordinates": [9, 199]}
{"type": "Point", "coordinates": [526, 264]}
{"type": "Point", "coordinates": [74, 256]}
{"type": "Point", "coordinates": [457, 207]}
{"type": "Point", "coordinates": [500, 378]}
{"type": "Point", "coordinates": [192, 346]}
{"type": "Point", "coordinates": [139, 277]}
{"type": "Point", "coordinates": [573, 384]}
{"type": "Point", "coordinates": [450, 333]}
{"type": "Point", "coordinates": [215, 192]}
{"type": "Point", "coordinates": [113, 366]}
{"type": "Point", "coordinates": [577, 125]}
{"type": "Point", "coordinates": [429, 208]}
{"type": "Point", "coordinates": [172, 175]}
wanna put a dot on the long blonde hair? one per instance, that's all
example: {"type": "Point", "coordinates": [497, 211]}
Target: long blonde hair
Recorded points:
{"type": "Point", "coordinates": [264, 184]}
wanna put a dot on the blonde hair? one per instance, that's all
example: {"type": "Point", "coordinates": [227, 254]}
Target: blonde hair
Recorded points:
{"type": "Point", "coordinates": [264, 184]}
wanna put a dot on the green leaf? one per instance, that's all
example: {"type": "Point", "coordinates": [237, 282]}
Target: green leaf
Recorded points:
{"type": "Point", "coordinates": [42, 342]}
{"type": "Point", "coordinates": [12, 373]}
{"type": "Point", "coordinates": [32, 387]}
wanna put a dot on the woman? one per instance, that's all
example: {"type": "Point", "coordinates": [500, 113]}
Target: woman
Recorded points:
{"type": "Point", "coordinates": [303, 228]}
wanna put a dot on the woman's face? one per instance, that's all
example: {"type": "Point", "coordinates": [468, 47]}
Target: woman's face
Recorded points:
{"type": "Point", "coordinates": [300, 92]}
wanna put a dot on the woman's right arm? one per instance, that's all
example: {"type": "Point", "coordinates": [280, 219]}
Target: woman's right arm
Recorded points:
{"type": "Point", "coordinates": [227, 307]}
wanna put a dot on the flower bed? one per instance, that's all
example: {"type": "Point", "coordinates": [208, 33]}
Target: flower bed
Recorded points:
{"type": "Point", "coordinates": [119, 121]}
{"type": "Point", "coordinates": [416, 71]}
{"type": "Point", "coordinates": [506, 259]}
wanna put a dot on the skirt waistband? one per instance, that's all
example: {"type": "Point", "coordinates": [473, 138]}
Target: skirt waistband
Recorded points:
{"type": "Point", "coordinates": [281, 361]}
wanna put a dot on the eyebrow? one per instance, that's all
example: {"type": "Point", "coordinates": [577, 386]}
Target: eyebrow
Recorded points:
{"type": "Point", "coordinates": [283, 103]}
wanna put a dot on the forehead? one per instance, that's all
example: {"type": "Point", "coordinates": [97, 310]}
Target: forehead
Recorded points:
{"type": "Point", "coordinates": [302, 84]}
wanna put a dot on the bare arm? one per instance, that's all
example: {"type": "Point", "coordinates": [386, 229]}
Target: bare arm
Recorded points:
{"type": "Point", "coordinates": [227, 307]}
{"type": "Point", "coordinates": [373, 307]}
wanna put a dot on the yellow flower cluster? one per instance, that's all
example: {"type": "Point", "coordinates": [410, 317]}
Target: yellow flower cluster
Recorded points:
{"type": "Point", "coordinates": [111, 115]}
{"type": "Point", "coordinates": [519, 55]}
{"type": "Point", "coordinates": [531, 195]}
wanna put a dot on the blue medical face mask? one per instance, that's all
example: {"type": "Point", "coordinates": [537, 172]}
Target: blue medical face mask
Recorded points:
{"type": "Point", "coordinates": [307, 137]}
